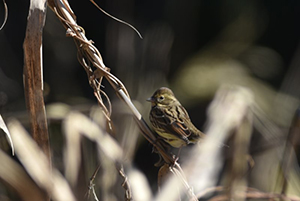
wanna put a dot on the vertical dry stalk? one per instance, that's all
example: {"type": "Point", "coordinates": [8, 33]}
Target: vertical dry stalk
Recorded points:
{"type": "Point", "coordinates": [227, 112]}
{"type": "Point", "coordinates": [33, 78]}
{"type": "Point", "coordinates": [287, 159]}
{"type": "Point", "coordinates": [240, 150]}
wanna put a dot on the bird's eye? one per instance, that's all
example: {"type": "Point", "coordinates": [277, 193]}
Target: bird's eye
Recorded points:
{"type": "Point", "coordinates": [161, 98]}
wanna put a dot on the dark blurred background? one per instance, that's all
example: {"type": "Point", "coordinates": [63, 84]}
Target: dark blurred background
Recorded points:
{"type": "Point", "coordinates": [191, 46]}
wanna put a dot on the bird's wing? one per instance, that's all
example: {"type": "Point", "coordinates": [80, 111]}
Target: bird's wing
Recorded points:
{"type": "Point", "coordinates": [172, 121]}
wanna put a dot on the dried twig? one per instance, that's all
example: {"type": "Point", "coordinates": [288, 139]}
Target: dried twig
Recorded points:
{"type": "Point", "coordinates": [125, 184]}
{"type": "Point", "coordinates": [91, 183]}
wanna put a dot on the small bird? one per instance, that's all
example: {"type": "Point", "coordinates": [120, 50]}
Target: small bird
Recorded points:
{"type": "Point", "coordinates": [171, 121]}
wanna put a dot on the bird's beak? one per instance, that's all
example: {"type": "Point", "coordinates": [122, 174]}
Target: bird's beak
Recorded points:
{"type": "Point", "coordinates": [151, 99]}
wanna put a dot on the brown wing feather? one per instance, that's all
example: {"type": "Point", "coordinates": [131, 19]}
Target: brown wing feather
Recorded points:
{"type": "Point", "coordinates": [165, 119]}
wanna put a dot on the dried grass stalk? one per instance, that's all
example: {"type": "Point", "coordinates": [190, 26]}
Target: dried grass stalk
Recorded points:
{"type": "Point", "coordinates": [227, 111]}
{"type": "Point", "coordinates": [77, 125]}
{"type": "Point", "coordinates": [37, 165]}
{"type": "Point", "coordinates": [288, 159]}
{"type": "Point", "coordinates": [14, 175]}
{"type": "Point", "coordinates": [33, 75]}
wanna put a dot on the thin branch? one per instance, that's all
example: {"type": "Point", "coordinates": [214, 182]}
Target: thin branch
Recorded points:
{"type": "Point", "coordinates": [91, 183]}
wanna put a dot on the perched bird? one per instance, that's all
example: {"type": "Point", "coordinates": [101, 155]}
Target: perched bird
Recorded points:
{"type": "Point", "coordinates": [171, 121]}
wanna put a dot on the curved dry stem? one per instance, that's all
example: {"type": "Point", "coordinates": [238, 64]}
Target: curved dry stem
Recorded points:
{"type": "Point", "coordinates": [5, 14]}
{"type": "Point", "coordinates": [117, 19]}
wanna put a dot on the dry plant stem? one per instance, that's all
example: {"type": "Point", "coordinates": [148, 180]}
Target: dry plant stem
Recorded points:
{"type": "Point", "coordinates": [14, 175]}
{"type": "Point", "coordinates": [77, 125]}
{"type": "Point", "coordinates": [255, 194]}
{"type": "Point", "coordinates": [293, 138]}
{"type": "Point", "coordinates": [249, 193]}
{"type": "Point", "coordinates": [176, 170]}
{"type": "Point", "coordinates": [5, 14]}
{"type": "Point", "coordinates": [225, 113]}
{"type": "Point", "coordinates": [117, 19]}
{"type": "Point", "coordinates": [91, 184]}
{"type": "Point", "coordinates": [94, 194]}
{"type": "Point", "coordinates": [240, 147]}
{"type": "Point", "coordinates": [33, 78]}
{"type": "Point", "coordinates": [8, 136]}
{"type": "Point", "coordinates": [125, 184]}
{"type": "Point", "coordinates": [209, 191]}
{"type": "Point", "coordinates": [174, 184]}
{"type": "Point", "coordinates": [162, 175]}
{"type": "Point", "coordinates": [37, 165]}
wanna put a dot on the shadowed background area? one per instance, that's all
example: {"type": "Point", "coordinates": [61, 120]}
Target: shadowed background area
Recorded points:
{"type": "Point", "coordinates": [192, 47]}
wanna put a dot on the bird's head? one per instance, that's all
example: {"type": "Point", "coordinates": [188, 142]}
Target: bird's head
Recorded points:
{"type": "Point", "coordinates": [162, 96]}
